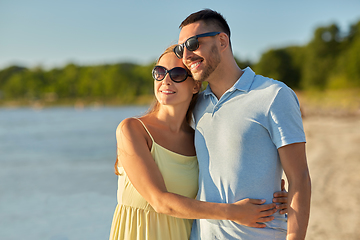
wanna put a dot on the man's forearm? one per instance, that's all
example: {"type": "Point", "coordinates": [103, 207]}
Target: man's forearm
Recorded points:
{"type": "Point", "coordinates": [299, 208]}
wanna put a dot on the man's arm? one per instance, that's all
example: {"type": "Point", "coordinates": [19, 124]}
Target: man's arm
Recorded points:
{"type": "Point", "coordinates": [293, 160]}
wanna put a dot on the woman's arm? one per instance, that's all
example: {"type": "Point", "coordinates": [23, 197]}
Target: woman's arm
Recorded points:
{"type": "Point", "coordinates": [144, 174]}
{"type": "Point", "coordinates": [281, 198]}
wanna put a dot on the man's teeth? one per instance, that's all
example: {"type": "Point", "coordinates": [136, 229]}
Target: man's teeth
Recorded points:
{"type": "Point", "coordinates": [194, 65]}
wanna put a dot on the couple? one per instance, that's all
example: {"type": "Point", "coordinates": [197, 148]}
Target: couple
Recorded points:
{"type": "Point", "coordinates": [247, 129]}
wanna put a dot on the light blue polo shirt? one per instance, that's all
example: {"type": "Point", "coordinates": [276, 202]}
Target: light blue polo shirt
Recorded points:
{"type": "Point", "coordinates": [236, 140]}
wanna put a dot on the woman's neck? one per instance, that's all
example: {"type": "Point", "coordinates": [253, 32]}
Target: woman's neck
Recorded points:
{"type": "Point", "coordinates": [172, 117]}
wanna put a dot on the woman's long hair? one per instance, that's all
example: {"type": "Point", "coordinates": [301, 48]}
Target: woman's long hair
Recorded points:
{"type": "Point", "coordinates": [155, 106]}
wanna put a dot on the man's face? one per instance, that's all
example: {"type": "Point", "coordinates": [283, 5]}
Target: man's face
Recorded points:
{"type": "Point", "coordinates": [203, 61]}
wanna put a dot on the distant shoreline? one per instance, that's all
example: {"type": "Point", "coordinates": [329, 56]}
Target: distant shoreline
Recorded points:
{"type": "Point", "coordinates": [77, 103]}
{"type": "Point", "coordinates": [333, 103]}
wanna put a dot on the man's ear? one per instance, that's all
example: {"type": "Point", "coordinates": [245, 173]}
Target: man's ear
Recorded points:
{"type": "Point", "coordinates": [224, 40]}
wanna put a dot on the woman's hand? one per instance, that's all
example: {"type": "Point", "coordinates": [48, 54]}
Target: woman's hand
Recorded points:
{"type": "Point", "coordinates": [252, 212]}
{"type": "Point", "coordinates": [281, 199]}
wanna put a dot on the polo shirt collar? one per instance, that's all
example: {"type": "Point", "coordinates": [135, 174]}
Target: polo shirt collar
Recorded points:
{"type": "Point", "coordinates": [242, 84]}
{"type": "Point", "coordinates": [207, 90]}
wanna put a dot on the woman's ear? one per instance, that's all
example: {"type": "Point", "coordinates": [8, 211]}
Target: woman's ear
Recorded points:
{"type": "Point", "coordinates": [197, 87]}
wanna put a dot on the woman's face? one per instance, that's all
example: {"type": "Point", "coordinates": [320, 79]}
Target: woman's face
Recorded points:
{"type": "Point", "coordinates": [169, 92]}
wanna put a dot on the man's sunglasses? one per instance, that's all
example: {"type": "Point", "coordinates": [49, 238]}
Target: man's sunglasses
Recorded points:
{"type": "Point", "coordinates": [177, 74]}
{"type": "Point", "coordinates": [191, 43]}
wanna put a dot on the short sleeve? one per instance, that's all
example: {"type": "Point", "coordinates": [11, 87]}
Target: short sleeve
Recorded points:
{"type": "Point", "coordinates": [285, 122]}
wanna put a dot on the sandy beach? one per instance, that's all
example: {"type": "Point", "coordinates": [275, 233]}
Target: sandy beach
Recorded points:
{"type": "Point", "coordinates": [333, 152]}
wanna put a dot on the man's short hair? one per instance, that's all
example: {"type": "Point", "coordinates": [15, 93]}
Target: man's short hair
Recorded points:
{"type": "Point", "coordinates": [209, 17]}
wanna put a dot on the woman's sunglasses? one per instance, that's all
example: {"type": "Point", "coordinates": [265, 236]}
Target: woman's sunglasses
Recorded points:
{"type": "Point", "coordinates": [191, 43]}
{"type": "Point", "coordinates": [177, 74]}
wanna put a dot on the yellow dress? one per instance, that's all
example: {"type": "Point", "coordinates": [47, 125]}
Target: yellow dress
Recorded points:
{"type": "Point", "coordinates": [135, 219]}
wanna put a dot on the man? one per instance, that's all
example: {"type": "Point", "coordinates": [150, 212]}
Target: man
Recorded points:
{"type": "Point", "coordinates": [248, 128]}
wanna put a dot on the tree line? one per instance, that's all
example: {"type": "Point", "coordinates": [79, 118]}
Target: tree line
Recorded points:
{"type": "Point", "coordinates": [331, 60]}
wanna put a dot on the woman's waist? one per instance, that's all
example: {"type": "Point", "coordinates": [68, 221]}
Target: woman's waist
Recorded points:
{"type": "Point", "coordinates": [132, 198]}
{"type": "Point", "coordinates": [137, 206]}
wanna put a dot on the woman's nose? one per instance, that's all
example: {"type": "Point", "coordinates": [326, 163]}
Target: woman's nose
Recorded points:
{"type": "Point", "coordinates": [167, 80]}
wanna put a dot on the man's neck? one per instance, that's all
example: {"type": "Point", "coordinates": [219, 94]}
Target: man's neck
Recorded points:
{"type": "Point", "coordinates": [225, 79]}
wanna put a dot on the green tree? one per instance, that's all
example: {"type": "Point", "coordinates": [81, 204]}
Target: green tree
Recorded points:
{"type": "Point", "coordinates": [349, 61]}
{"type": "Point", "coordinates": [66, 81]}
{"type": "Point", "coordinates": [280, 64]}
{"type": "Point", "coordinates": [14, 87]}
{"type": "Point", "coordinates": [6, 73]}
{"type": "Point", "coordinates": [321, 56]}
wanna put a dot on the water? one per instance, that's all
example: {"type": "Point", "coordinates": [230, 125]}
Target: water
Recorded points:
{"type": "Point", "coordinates": [56, 172]}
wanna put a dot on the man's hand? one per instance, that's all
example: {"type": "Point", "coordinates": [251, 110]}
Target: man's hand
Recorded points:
{"type": "Point", "coordinates": [281, 198]}
{"type": "Point", "coordinates": [252, 212]}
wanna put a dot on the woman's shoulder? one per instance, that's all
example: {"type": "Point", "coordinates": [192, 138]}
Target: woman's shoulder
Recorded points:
{"type": "Point", "coordinates": [129, 126]}
{"type": "Point", "coordinates": [128, 122]}
{"type": "Point", "coordinates": [132, 130]}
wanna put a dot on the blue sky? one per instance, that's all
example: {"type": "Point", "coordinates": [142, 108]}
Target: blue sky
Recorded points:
{"type": "Point", "coordinates": [52, 33]}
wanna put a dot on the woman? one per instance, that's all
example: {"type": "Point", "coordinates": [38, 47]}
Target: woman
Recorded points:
{"type": "Point", "coordinates": [158, 170]}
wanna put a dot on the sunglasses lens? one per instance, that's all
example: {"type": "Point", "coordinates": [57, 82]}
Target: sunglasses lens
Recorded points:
{"type": "Point", "coordinates": [159, 73]}
{"type": "Point", "coordinates": [178, 50]}
{"type": "Point", "coordinates": [178, 74]}
{"type": "Point", "coordinates": [192, 44]}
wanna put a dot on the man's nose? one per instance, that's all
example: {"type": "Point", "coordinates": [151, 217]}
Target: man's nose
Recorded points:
{"type": "Point", "coordinates": [187, 54]}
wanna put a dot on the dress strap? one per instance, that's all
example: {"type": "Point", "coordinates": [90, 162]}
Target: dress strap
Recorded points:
{"type": "Point", "coordinates": [152, 139]}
